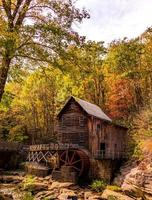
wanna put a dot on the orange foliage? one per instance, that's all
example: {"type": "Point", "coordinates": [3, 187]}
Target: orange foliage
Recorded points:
{"type": "Point", "coordinates": [147, 146]}
{"type": "Point", "coordinates": [120, 99]}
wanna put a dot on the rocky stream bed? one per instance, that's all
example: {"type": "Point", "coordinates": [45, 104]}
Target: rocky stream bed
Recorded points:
{"type": "Point", "coordinates": [134, 179]}
{"type": "Point", "coordinates": [18, 186]}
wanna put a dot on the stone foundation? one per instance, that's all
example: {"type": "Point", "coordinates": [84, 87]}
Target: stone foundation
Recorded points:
{"type": "Point", "coordinates": [37, 169]}
{"type": "Point", "coordinates": [66, 174]}
{"type": "Point", "coordinates": [103, 169]}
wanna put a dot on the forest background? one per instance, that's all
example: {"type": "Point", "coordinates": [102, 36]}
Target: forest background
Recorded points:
{"type": "Point", "coordinates": [45, 61]}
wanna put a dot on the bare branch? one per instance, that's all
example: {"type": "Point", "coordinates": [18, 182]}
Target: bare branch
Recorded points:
{"type": "Point", "coordinates": [22, 13]}
{"type": "Point", "coordinates": [7, 8]}
{"type": "Point", "coordinates": [35, 17]}
{"type": "Point", "coordinates": [19, 2]}
{"type": "Point", "coordinates": [33, 58]}
{"type": "Point", "coordinates": [26, 43]}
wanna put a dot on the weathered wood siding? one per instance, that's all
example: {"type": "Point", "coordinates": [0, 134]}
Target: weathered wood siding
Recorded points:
{"type": "Point", "coordinates": [75, 126]}
{"type": "Point", "coordinates": [113, 136]}
{"type": "Point", "coordinates": [72, 125]}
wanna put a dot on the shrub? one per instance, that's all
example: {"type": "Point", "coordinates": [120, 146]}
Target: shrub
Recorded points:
{"type": "Point", "coordinates": [49, 198]}
{"type": "Point", "coordinates": [98, 185]}
{"type": "Point", "coordinates": [28, 183]}
{"type": "Point", "coordinates": [112, 197]}
{"type": "Point", "coordinates": [142, 132]}
{"type": "Point", "coordinates": [138, 151]}
{"type": "Point", "coordinates": [114, 188]}
{"type": "Point", "coordinates": [28, 196]}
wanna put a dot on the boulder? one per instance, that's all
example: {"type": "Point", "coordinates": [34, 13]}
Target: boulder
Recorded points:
{"type": "Point", "coordinates": [10, 179]}
{"type": "Point", "coordinates": [17, 195]}
{"type": "Point", "coordinates": [45, 194]}
{"type": "Point", "coordinates": [5, 196]}
{"type": "Point", "coordinates": [6, 192]}
{"type": "Point", "coordinates": [137, 181]}
{"type": "Point", "coordinates": [67, 194]}
{"type": "Point", "coordinates": [37, 187]}
{"type": "Point", "coordinates": [59, 185]}
{"type": "Point", "coordinates": [114, 195]}
{"type": "Point", "coordinates": [124, 170]}
{"type": "Point", "coordinates": [91, 196]}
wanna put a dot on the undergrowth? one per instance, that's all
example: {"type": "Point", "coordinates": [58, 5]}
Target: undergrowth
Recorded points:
{"type": "Point", "coordinates": [98, 185]}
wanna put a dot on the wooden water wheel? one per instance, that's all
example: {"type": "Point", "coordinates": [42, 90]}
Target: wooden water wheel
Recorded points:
{"type": "Point", "coordinates": [77, 159]}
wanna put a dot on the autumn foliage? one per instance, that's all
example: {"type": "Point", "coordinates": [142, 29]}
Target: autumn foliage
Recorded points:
{"type": "Point", "coordinates": [118, 78]}
{"type": "Point", "coordinates": [120, 99]}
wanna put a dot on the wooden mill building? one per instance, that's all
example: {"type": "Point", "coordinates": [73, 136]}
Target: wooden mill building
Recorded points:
{"type": "Point", "coordinates": [85, 124]}
{"type": "Point", "coordinates": [88, 142]}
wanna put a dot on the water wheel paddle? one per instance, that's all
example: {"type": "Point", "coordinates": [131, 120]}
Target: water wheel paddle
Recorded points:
{"type": "Point", "coordinates": [77, 159]}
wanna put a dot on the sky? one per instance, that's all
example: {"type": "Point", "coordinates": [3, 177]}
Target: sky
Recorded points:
{"type": "Point", "coordinates": [115, 19]}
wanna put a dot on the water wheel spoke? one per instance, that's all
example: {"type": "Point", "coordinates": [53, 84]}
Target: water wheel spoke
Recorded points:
{"type": "Point", "coordinates": [72, 157]}
{"type": "Point", "coordinates": [77, 161]}
{"type": "Point", "coordinates": [62, 160]}
{"type": "Point", "coordinates": [66, 157]}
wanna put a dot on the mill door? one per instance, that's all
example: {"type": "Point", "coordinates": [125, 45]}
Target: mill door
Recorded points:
{"type": "Point", "coordinates": [102, 149]}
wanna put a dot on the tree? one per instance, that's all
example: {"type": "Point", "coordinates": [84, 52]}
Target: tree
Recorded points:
{"type": "Point", "coordinates": [146, 65]}
{"type": "Point", "coordinates": [8, 116]}
{"type": "Point", "coordinates": [92, 71]}
{"type": "Point", "coordinates": [35, 106]}
{"type": "Point", "coordinates": [120, 99]}
{"type": "Point", "coordinates": [86, 70]}
{"type": "Point", "coordinates": [35, 31]}
{"type": "Point", "coordinates": [124, 77]}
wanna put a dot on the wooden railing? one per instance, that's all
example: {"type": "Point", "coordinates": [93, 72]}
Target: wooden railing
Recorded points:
{"type": "Point", "coordinates": [53, 146]}
{"type": "Point", "coordinates": [101, 154]}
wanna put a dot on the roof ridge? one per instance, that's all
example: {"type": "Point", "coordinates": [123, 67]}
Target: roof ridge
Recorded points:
{"type": "Point", "coordinates": [91, 110]}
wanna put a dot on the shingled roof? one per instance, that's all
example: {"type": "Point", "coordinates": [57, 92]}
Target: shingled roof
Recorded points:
{"type": "Point", "coordinates": [89, 108]}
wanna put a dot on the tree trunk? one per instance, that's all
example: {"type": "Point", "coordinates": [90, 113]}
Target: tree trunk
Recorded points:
{"type": "Point", "coordinates": [4, 68]}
